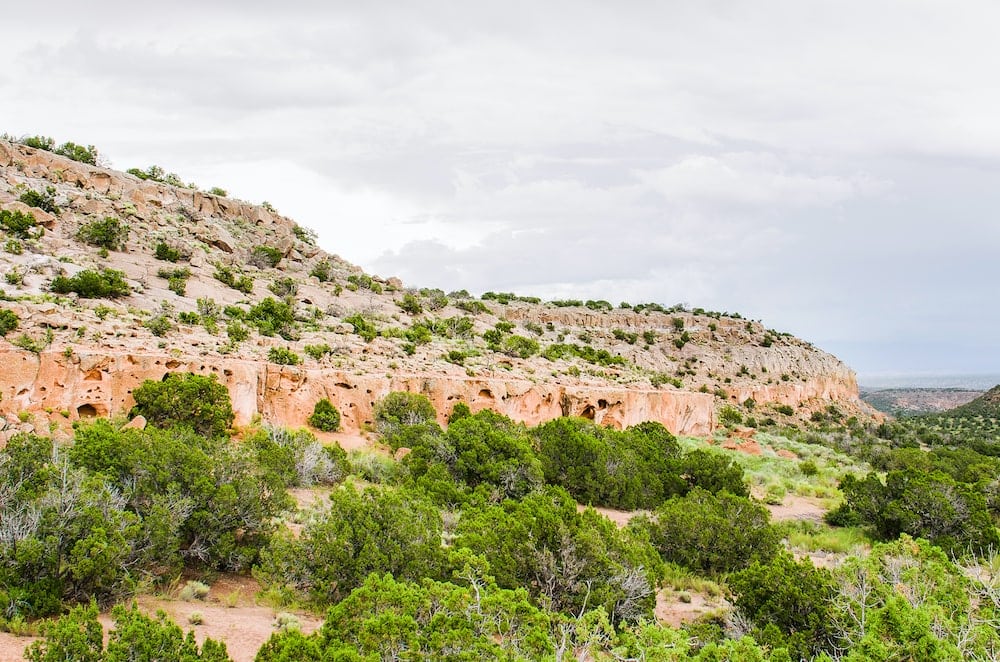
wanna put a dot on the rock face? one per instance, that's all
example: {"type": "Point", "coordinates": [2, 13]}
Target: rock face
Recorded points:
{"type": "Point", "coordinates": [101, 385]}
{"type": "Point", "coordinates": [77, 358]}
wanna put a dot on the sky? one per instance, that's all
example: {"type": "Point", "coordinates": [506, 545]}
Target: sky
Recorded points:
{"type": "Point", "coordinates": [829, 168]}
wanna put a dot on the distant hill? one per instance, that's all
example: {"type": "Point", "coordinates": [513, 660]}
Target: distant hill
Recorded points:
{"type": "Point", "coordinates": [987, 405]}
{"type": "Point", "coordinates": [917, 401]}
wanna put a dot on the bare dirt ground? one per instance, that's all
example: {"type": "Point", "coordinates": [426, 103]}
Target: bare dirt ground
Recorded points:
{"type": "Point", "coordinates": [619, 517]}
{"type": "Point", "coordinates": [794, 507]}
{"type": "Point", "coordinates": [673, 611]}
{"type": "Point", "coordinates": [244, 627]}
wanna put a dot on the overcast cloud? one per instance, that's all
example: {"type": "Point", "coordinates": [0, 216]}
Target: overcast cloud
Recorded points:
{"type": "Point", "coordinates": [830, 168]}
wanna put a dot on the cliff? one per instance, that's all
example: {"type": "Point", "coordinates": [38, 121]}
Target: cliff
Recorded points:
{"type": "Point", "coordinates": [73, 357]}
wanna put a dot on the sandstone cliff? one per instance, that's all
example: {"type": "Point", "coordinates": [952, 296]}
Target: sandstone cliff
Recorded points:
{"type": "Point", "coordinates": [73, 357]}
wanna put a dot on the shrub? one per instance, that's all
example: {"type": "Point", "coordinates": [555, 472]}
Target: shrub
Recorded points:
{"type": "Point", "coordinates": [519, 346]}
{"type": "Point", "coordinates": [317, 352]}
{"type": "Point", "coordinates": [283, 356]}
{"type": "Point", "coordinates": [402, 408]}
{"type": "Point", "coordinates": [325, 416]}
{"type": "Point", "coordinates": [284, 287]}
{"type": "Point", "coordinates": [109, 233]}
{"type": "Point", "coordinates": [237, 332]}
{"type": "Point", "coordinates": [8, 321]}
{"type": "Point", "coordinates": [410, 304]}
{"type": "Point", "coordinates": [79, 153]}
{"type": "Point", "coordinates": [159, 325]}
{"type": "Point", "coordinates": [363, 327]}
{"type": "Point", "coordinates": [18, 223]}
{"type": "Point", "coordinates": [321, 271]}
{"type": "Point", "coordinates": [264, 256]}
{"type": "Point", "coordinates": [215, 190]}
{"type": "Point", "coordinates": [714, 533]}
{"type": "Point", "coordinates": [44, 201]}
{"type": "Point", "coordinates": [13, 246]}
{"type": "Point", "coordinates": [185, 399]}
{"type": "Point", "coordinates": [166, 252]}
{"type": "Point", "coordinates": [228, 276]}
{"type": "Point", "coordinates": [272, 317]}
{"type": "Point", "coordinates": [729, 416]}
{"type": "Point", "coordinates": [92, 284]}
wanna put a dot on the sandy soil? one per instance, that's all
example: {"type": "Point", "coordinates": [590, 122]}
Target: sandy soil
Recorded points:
{"type": "Point", "coordinates": [670, 610]}
{"type": "Point", "coordinates": [795, 507]}
{"type": "Point", "coordinates": [619, 517]}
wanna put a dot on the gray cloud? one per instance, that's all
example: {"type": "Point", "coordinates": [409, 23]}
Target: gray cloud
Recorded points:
{"type": "Point", "coordinates": [832, 169]}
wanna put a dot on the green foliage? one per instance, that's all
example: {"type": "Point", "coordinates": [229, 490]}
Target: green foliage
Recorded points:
{"type": "Point", "coordinates": [325, 416]}
{"type": "Point", "coordinates": [519, 346]}
{"type": "Point", "coordinates": [472, 306]}
{"type": "Point", "coordinates": [159, 325]}
{"type": "Point", "coordinates": [284, 287]}
{"type": "Point", "coordinates": [79, 153]}
{"type": "Point", "coordinates": [297, 458]}
{"type": "Point", "coordinates": [109, 233]}
{"type": "Point", "coordinates": [45, 201]}
{"type": "Point", "coordinates": [730, 416]}
{"type": "Point", "coordinates": [565, 558]}
{"type": "Point", "coordinates": [228, 276]}
{"type": "Point", "coordinates": [401, 408]}
{"type": "Point", "coordinates": [166, 252]}
{"type": "Point", "coordinates": [79, 636]}
{"type": "Point", "coordinates": [237, 332]}
{"type": "Point", "coordinates": [8, 321]}
{"type": "Point", "coordinates": [600, 357]}
{"type": "Point", "coordinates": [39, 142]}
{"type": "Point", "coordinates": [273, 317]}
{"type": "Point", "coordinates": [306, 235]}
{"type": "Point", "coordinates": [384, 616]}
{"type": "Point", "coordinates": [176, 279]}
{"type": "Point", "coordinates": [483, 448]}
{"type": "Point", "coordinates": [713, 532]}
{"type": "Point", "coordinates": [931, 505]}
{"type": "Point", "coordinates": [599, 304]}
{"type": "Point", "coordinates": [363, 327]}
{"type": "Point", "coordinates": [364, 282]}
{"type": "Point", "coordinates": [361, 532]}
{"type": "Point", "coordinates": [157, 174]}
{"type": "Point", "coordinates": [793, 597]}
{"type": "Point", "coordinates": [19, 223]}
{"type": "Point", "coordinates": [92, 284]}
{"type": "Point", "coordinates": [264, 256]}
{"type": "Point", "coordinates": [410, 304]}
{"type": "Point", "coordinates": [626, 336]}
{"type": "Point", "coordinates": [317, 352]}
{"type": "Point", "coordinates": [283, 356]}
{"type": "Point", "coordinates": [626, 469]}
{"type": "Point", "coordinates": [322, 271]}
{"type": "Point", "coordinates": [221, 192]}
{"type": "Point", "coordinates": [185, 399]}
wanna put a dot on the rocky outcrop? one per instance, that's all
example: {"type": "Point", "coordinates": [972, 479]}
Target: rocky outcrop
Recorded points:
{"type": "Point", "coordinates": [66, 389]}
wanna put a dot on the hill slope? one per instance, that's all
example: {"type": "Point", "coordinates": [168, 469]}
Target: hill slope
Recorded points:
{"type": "Point", "coordinates": [244, 269]}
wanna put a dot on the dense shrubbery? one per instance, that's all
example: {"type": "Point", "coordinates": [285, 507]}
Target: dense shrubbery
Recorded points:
{"type": "Point", "coordinates": [713, 533]}
{"type": "Point", "coordinates": [79, 636]}
{"type": "Point", "coordinates": [186, 400]}
{"type": "Point", "coordinates": [399, 409]}
{"type": "Point", "coordinates": [360, 532]}
{"type": "Point", "coordinates": [264, 256]}
{"type": "Point", "coordinates": [91, 284]}
{"type": "Point", "coordinates": [931, 505]}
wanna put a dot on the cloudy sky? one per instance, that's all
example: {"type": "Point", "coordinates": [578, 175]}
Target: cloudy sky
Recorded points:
{"type": "Point", "coordinates": [831, 168]}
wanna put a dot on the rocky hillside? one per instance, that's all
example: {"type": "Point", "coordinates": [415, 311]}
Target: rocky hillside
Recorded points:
{"type": "Point", "coordinates": [210, 284]}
